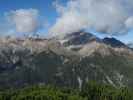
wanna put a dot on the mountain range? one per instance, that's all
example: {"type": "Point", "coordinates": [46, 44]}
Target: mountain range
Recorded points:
{"type": "Point", "coordinates": [70, 61]}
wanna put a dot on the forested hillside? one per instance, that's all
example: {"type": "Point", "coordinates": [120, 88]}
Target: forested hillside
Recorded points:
{"type": "Point", "coordinates": [91, 91]}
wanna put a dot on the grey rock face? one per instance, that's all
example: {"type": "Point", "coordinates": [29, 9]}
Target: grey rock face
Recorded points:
{"type": "Point", "coordinates": [35, 61]}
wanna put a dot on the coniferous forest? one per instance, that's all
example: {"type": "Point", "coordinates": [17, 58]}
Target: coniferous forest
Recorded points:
{"type": "Point", "coordinates": [90, 91]}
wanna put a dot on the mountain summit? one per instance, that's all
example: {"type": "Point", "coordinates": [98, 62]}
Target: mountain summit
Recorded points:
{"type": "Point", "coordinates": [113, 42]}
{"type": "Point", "coordinates": [79, 38]}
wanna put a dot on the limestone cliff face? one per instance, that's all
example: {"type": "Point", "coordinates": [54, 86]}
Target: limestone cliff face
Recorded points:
{"type": "Point", "coordinates": [71, 61]}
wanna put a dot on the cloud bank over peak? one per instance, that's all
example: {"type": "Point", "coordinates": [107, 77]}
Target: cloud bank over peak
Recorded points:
{"type": "Point", "coordinates": [25, 20]}
{"type": "Point", "coordinates": [106, 16]}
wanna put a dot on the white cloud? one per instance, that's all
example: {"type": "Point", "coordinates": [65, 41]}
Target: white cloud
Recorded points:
{"type": "Point", "coordinates": [25, 20]}
{"type": "Point", "coordinates": [129, 23]}
{"type": "Point", "coordinates": [107, 16]}
{"type": "Point", "coordinates": [70, 22]}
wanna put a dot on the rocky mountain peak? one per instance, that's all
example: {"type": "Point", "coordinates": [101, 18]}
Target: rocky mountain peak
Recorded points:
{"type": "Point", "coordinates": [79, 38]}
{"type": "Point", "coordinates": [77, 57]}
{"type": "Point", "coordinates": [113, 42]}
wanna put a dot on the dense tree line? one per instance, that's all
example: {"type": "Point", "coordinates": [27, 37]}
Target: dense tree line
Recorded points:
{"type": "Point", "coordinates": [91, 91]}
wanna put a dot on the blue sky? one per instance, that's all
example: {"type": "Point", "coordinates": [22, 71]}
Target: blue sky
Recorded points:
{"type": "Point", "coordinates": [46, 10]}
{"type": "Point", "coordinates": [47, 14]}
{"type": "Point", "coordinates": [44, 6]}
{"type": "Point", "coordinates": [126, 38]}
